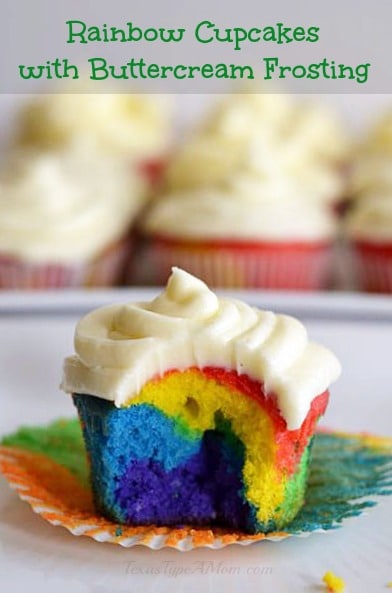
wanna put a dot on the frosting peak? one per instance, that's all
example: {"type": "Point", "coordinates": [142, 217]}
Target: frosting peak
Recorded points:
{"type": "Point", "coordinates": [185, 296]}
{"type": "Point", "coordinates": [121, 347]}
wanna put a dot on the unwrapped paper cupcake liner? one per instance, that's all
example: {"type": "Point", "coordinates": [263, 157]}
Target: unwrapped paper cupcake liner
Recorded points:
{"type": "Point", "coordinates": [48, 468]}
{"type": "Point", "coordinates": [104, 270]}
{"type": "Point", "coordinates": [272, 266]}
{"type": "Point", "coordinates": [373, 265]}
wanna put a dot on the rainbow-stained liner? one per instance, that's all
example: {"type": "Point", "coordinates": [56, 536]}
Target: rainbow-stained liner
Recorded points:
{"type": "Point", "coordinates": [197, 410]}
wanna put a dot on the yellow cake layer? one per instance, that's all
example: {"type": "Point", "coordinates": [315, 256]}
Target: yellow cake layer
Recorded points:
{"type": "Point", "coordinates": [194, 399]}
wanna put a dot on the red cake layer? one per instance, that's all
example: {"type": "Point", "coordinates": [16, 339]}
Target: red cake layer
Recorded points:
{"type": "Point", "coordinates": [291, 443]}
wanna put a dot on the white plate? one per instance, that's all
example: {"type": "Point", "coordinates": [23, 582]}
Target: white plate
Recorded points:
{"type": "Point", "coordinates": [36, 333]}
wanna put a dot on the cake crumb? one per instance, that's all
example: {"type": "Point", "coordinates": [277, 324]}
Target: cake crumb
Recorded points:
{"type": "Point", "coordinates": [334, 583]}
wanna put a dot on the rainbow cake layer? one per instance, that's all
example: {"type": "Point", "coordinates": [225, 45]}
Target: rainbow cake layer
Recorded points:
{"type": "Point", "coordinates": [200, 446]}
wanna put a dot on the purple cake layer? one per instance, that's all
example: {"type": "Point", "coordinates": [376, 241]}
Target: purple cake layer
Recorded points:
{"type": "Point", "coordinates": [140, 482]}
{"type": "Point", "coordinates": [207, 489]}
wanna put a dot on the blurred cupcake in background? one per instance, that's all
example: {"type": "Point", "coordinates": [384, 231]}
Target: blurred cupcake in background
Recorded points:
{"type": "Point", "coordinates": [134, 126]}
{"type": "Point", "coordinates": [209, 163]}
{"type": "Point", "coordinates": [371, 173]}
{"type": "Point", "coordinates": [368, 223]}
{"type": "Point", "coordinates": [237, 117]}
{"type": "Point", "coordinates": [318, 132]}
{"type": "Point", "coordinates": [286, 161]}
{"type": "Point", "coordinates": [223, 139]}
{"type": "Point", "coordinates": [369, 230]}
{"type": "Point", "coordinates": [313, 127]}
{"type": "Point", "coordinates": [378, 140]}
{"type": "Point", "coordinates": [287, 138]}
{"type": "Point", "coordinates": [65, 218]}
{"type": "Point", "coordinates": [371, 170]}
{"type": "Point", "coordinates": [250, 199]}
{"type": "Point", "coordinates": [245, 233]}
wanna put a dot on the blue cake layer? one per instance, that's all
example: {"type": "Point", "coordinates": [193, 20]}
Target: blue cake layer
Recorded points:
{"type": "Point", "coordinates": [147, 469]}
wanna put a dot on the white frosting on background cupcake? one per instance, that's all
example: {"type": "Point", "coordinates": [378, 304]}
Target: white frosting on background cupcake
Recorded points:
{"type": "Point", "coordinates": [121, 347]}
{"type": "Point", "coordinates": [320, 132]}
{"type": "Point", "coordinates": [203, 161]}
{"type": "Point", "coordinates": [371, 219]}
{"type": "Point", "coordinates": [371, 173]}
{"type": "Point", "coordinates": [244, 208]}
{"type": "Point", "coordinates": [378, 141]}
{"type": "Point", "coordinates": [210, 160]}
{"type": "Point", "coordinates": [239, 116]}
{"type": "Point", "coordinates": [311, 126]}
{"type": "Point", "coordinates": [132, 125]}
{"type": "Point", "coordinates": [267, 134]}
{"type": "Point", "coordinates": [65, 206]}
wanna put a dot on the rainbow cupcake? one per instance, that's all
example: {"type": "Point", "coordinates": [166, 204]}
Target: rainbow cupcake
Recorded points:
{"type": "Point", "coordinates": [197, 410]}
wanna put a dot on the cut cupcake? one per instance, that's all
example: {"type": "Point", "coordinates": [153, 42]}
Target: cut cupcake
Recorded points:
{"type": "Point", "coordinates": [197, 410]}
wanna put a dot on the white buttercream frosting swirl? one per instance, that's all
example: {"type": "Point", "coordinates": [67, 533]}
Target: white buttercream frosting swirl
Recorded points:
{"type": "Point", "coordinates": [121, 347]}
{"type": "Point", "coordinates": [244, 208]}
{"type": "Point", "coordinates": [65, 206]}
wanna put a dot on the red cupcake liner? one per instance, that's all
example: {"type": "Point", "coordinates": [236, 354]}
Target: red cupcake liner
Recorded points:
{"type": "Point", "coordinates": [373, 263]}
{"type": "Point", "coordinates": [297, 266]}
{"type": "Point", "coordinates": [105, 270]}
